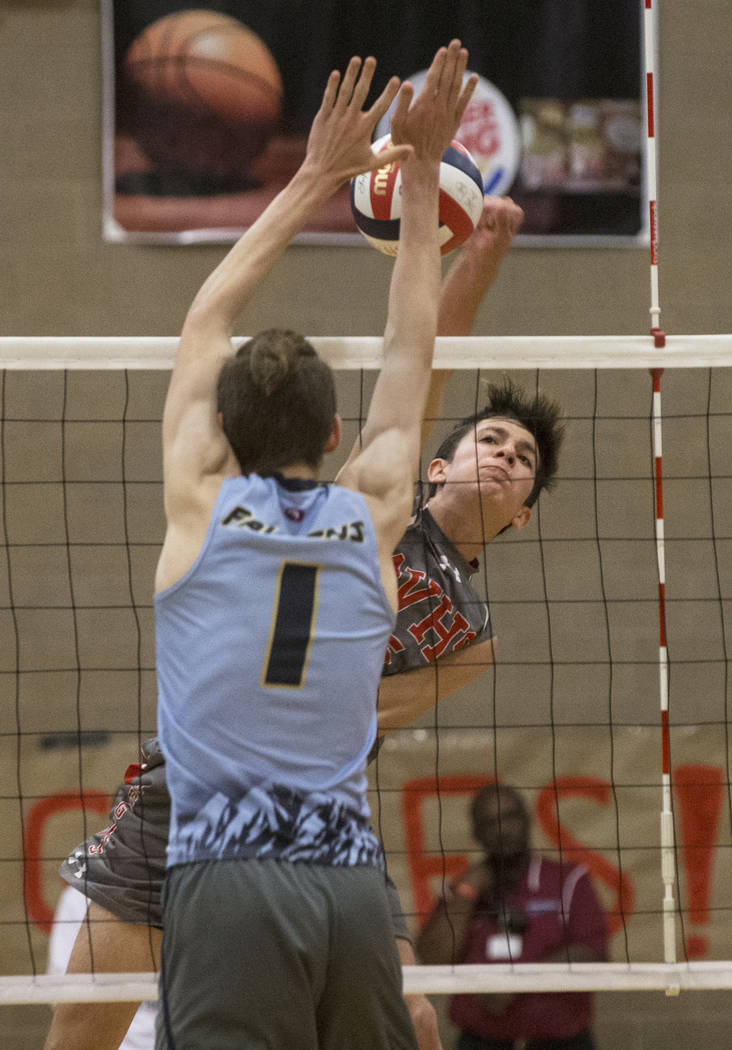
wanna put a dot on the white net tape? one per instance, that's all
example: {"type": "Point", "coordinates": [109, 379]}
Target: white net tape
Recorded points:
{"type": "Point", "coordinates": [427, 980]}
{"type": "Point", "coordinates": [609, 351]}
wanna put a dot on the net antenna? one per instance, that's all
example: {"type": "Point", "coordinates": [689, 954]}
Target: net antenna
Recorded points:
{"type": "Point", "coordinates": [668, 842]}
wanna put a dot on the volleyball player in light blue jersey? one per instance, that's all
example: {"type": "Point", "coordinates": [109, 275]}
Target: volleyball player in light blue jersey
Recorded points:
{"type": "Point", "coordinates": [292, 649]}
{"type": "Point", "coordinates": [276, 925]}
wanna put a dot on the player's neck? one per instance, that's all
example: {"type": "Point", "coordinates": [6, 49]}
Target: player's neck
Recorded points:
{"type": "Point", "coordinates": [299, 470]}
{"type": "Point", "coordinates": [468, 532]}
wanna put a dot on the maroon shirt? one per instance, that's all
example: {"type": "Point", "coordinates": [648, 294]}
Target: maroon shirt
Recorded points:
{"type": "Point", "coordinates": [558, 907]}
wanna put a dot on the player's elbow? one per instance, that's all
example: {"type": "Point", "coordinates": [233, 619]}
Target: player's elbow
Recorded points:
{"type": "Point", "coordinates": [201, 320]}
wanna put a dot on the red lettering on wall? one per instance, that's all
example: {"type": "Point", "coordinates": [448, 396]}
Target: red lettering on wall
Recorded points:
{"type": "Point", "coordinates": [699, 794]}
{"type": "Point", "coordinates": [424, 866]}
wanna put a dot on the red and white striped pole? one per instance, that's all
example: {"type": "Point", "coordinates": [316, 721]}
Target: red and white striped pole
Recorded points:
{"type": "Point", "coordinates": [668, 854]}
{"type": "Point", "coordinates": [649, 35]}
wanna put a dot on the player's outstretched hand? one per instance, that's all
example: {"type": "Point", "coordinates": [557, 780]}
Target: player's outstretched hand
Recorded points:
{"type": "Point", "coordinates": [429, 121]}
{"type": "Point", "coordinates": [339, 145]}
{"type": "Point", "coordinates": [496, 228]}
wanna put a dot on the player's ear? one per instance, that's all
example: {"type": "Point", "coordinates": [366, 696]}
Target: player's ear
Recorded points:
{"type": "Point", "coordinates": [436, 471]}
{"type": "Point", "coordinates": [522, 519]}
{"type": "Point", "coordinates": [334, 438]}
{"type": "Point", "coordinates": [220, 420]}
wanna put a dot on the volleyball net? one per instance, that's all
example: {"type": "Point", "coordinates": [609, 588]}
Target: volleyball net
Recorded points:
{"type": "Point", "coordinates": [608, 708]}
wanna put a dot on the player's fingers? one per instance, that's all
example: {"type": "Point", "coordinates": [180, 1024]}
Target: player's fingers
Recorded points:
{"type": "Point", "coordinates": [461, 64]}
{"type": "Point", "coordinates": [384, 100]}
{"type": "Point", "coordinates": [488, 216]}
{"type": "Point", "coordinates": [390, 156]}
{"type": "Point", "coordinates": [447, 74]}
{"type": "Point", "coordinates": [434, 73]}
{"type": "Point", "coordinates": [508, 214]}
{"type": "Point", "coordinates": [403, 102]}
{"type": "Point", "coordinates": [514, 214]}
{"type": "Point", "coordinates": [465, 95]}
{"type": "Point", "coordinates": [363, 84]}
{"type": "Point", "coordinates": [331, 90]}
{"type": "Point", "coordinates": [347, 84]}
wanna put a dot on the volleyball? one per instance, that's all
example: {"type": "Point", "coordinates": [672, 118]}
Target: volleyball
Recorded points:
{"type": "Point", "coordinates": [376, 199]}
{"type": "Point", "coordinates": [204, 90]}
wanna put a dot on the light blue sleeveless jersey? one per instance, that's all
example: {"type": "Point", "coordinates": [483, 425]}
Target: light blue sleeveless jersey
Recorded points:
{"type": "Point", "coordinates": [269, 652]}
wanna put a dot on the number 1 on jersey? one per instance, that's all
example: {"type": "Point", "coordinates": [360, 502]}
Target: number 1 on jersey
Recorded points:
{"type": "Point", "coordinates": [293, 624]}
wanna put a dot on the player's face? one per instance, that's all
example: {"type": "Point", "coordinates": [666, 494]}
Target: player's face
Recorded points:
{"type": "Point", "coordinates": [500, 456]}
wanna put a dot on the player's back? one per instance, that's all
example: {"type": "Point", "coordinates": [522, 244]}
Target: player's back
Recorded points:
{"type": "Point", "coordinates": [269, 652]}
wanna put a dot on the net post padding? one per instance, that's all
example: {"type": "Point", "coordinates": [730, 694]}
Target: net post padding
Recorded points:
{"type": "Point", "coordinates": [489, 352]}
{"type": "Point", "coordinates": [427, 980]}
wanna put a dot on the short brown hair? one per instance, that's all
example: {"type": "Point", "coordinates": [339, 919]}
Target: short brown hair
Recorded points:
{"type": "Point", "coordinates": [277, 401]}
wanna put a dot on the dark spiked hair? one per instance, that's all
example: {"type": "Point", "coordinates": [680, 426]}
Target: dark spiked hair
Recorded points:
{"type": "Point", "coordinates": [277, 401]}
{"type": "Point", "coordinates": [537, 413]}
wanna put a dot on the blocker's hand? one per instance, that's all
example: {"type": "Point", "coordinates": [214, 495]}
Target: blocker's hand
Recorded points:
{"type": "Point", "coordinates": [496, 228]}
{"type": "Point", "coordinates": [339, 145]}
{"type": "Point", "coordinates": [430, 121]}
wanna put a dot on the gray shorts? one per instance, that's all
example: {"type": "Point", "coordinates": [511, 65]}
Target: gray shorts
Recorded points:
{"type": "Point", "coordinates": [264, 953]}
{"type": "Point", "coordinates": [122, 867]}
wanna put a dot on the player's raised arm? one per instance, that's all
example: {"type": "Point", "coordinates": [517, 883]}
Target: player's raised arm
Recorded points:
{"type": "Point", "coordinates": [476, 266]}
{"type": "Point", "coordinates": [338, 148]}
{"type": "Point", "coordinates": [427, 123]}
{"type": "Point", "coordinates": [466, 283]}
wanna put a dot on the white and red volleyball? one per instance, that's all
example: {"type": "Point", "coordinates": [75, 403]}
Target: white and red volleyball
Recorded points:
{"type": "Point", "coordinates": [376, 200]}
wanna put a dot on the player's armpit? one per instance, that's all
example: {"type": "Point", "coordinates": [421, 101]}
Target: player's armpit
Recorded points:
{"type": "Point", "coordinates": [404, 697]}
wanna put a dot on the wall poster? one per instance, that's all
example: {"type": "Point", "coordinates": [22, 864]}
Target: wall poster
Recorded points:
{"type": "Point", "coordinates": [207, 107]}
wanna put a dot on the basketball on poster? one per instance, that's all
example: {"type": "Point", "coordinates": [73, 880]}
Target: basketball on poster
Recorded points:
{"type": "Point", "coordinates": [206, 91]}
